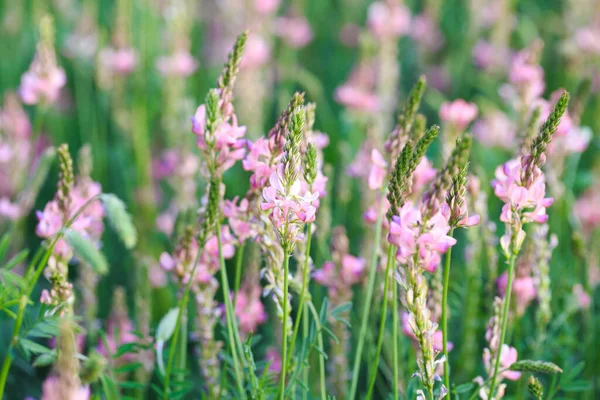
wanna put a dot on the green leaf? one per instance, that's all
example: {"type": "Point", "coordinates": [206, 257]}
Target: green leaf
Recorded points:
{"type": "Point", "coordinates": [119, 219]}
{"type": "Point", "coordinates": [30, 347]}
{"type": "Point", "coordinates": [577, 386]}
{"type": "Point", "coordinates": [87, 251]}
{"type": "Point", "coordinates": [17, 259]}
{"type": "Point", "coordinates": [45, 359]}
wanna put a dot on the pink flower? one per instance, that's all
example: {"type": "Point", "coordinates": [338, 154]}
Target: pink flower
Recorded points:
{"type": "Point", "coordinates": [9, 210]}
{"type": "Point", "coordinates": [527, 79]}
{"type": "Point", "coordinates": [378, 170]}
{"type": "Point", "coordinates": [239, 218]}
{"type": "Point", "coordinates": [118, 61]}
{"type": "Point", "coordinates": [260, 161]}
{"type": "Point", "coordinates": [424, 30]}
{"type": "Point", "coordinates": [495, 130]}
{"type": "Point", "coordinates": [359, 92]}
{"type": "Point", "coordinates": [227, 141]}
{"type": "Point", "coordinates": [180, 64]}
{"type": "Point", "coordinates": [257, 52]}
{"type": "Point", "coordinates": [583, 298]}
{"type": "Point", "coordinates": [55, 389]}
{"type": "Point", "coordinates": [458, 113]}
{"type": "Point", "coordinates": [295, 31]}
{"type": "Point", "coordinates": [388, 20]}
{"type": "Point", "coordinates": [423, 174]}
{"type": "Point", "coordinates": [350, 273]}
{"type": "Point", "coordinates": [409, 234]}
{"type": "Point", "coordinates": [587, 39]}
{"type": "Point", "coordinates": [438, 336]}
{"type": "Point", "coordinates": [523, 289]}
{"type": "Point", "coordinates": [508, 356]}
{"type": "Point", "coordinates": [37, 86]}
{"type": "Point", "coordinates": [275, 358]}
{"type": "Point", "coordinates": [266, 6]}
{"type": "Point", "coordinates": [488, 56]}
{"type": "Point", "coordinates": [586, 209]}
{"type": "Point", "coordinates": [286, 203]}
{"type": "Point", "coordinates": [250, 310]}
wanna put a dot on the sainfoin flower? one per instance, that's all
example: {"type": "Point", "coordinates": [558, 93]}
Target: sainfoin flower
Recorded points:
{"type": "Point", "coordinates": [523, 289]}
{"type": "Point", "coordinates": [508, 356]}
{"type": "Point", "coordinates": [42, 85]}
{"type": "Point", "coordinates": [388, 19]}
{"type": "Point", "coordinates": [121, 61]}
{"type": "Point", "coordinates": [378, 170]}
{"type": "Point", "coordinates": [458, 113]}
{"type": "Point", "coordinates": [437, 336]}
{"type": "Point", "coordinates": [414, 237]}
{"type": "Point", "coordinates": [257, 52]}
{"type": "Point", "coordinates": [295, 31]}
{"type": "Point", "coordinates": [228, 142]}
{"type": "Point", "coordinates": [350, 273]}
{"type": "Point", "coordinates": [249, 309]}
{"type": "Point", "coordinates": [54, 388]}
{"type": "Point", "coordinates": [181, 64]}
{"type": "Point", "coordinates": [359, 92]}
{"type": "Point", "coordinates": [286, 203]}
{"type": "Point", "coordinates": [495, 130]}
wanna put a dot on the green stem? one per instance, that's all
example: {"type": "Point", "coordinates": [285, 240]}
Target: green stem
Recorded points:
{"type": "Point", "coordinates": [284, 339]}
{"type": "Point", "coordinates": [305, 370]}
{"type": "Point", "coordinates": [232, 331]}
{"type": "Point", "coordinates": [238, 271]}
{"type": "Point", "coordinates": [14, 340]}
{"type": "Point", "coordinates": [445, 316]}
{"type": "Point", "coordinates": [302, 295]}
{"type": "Point", "coordinates": [182, 357]}
{"type": "Point", "coordinates": [375, 364]}
{"type": "Point", "coordinates": [321, 357]}
{"type": "Point", "coordinates": [367, 305]}
{"type": "Point", "coordinates": [504, 320]}
{"type": "Point", "coordinates": [395, 339]}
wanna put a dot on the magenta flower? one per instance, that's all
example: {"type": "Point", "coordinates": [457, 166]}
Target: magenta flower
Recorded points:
{"type": "Point", "coordinates": [458, 113]}
{"type": "Point", "coordinates": [239, 218]}
{"type": "Point", "coordinates": [388, 19]}
{"type": "Point", "coordinates": [179, 64]}
{"type": "Point", "coordinates": [351, 272]}
{"type": "Point", "coordinates": [495, 130]}
{"type": "Point", "coordinates": [274, 357]}
{"type": "Point", "coordinates": [261, 161]}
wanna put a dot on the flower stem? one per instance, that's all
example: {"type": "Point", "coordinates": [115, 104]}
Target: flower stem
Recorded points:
{"type": "Point", "coordinates": [395, 339]}
{"type": "Point", "coordinates": [375, 364]}
{"type": "Point", "coordinates": [367, 305]}
{"type": "Point", "coordinates": [302, 296]}
{"type": "Point", "coordinates": [238, 271]}
{"type": "Point", "coordinates": [504, 320]}
{"type": "Point", "coordinates": [284, 339]}
{"type": "Point", "coordinates": [232, 331]}
{"type": "Point", "coordinates": [321, 357]}
{"type": "Point", "coordinates": [445, 316]}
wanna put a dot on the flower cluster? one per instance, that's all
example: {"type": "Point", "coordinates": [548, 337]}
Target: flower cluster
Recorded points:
{"type": "Point", "coordinates": [44, 79]}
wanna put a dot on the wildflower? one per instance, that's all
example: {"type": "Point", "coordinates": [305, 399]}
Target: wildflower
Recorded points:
{"type": "Point", "coordinates": [266, 6]}
{"type": "Point", "coordinates": [408, 332]}
{"type": "Point", "coordinates": [508, 356]}
{"type": "Point", "coordinates": [523, 289]}
{"type": "Point", "coordinates": [295, 31]}
{"type": "Point", "coordinates": [249, 309]}
{"type": "Point", "coordinates": [257, 52]}
{"type": "Point", "coordinates": [495, 130]}
{"type": "Point", "coordinates": [425, 32]}
{"type": "Point", "coordinates": [459, 114]}
{"type": "Point", "coordinates": [44, 79]}
{"type": "Point", "coordinates": [54, 389]}
{"type": "Point", "coordinates": [118, 61]}
{"type": "Point", "coordinates": [490, 57]}
{"type": "Point", "coordinates": [358, 92]}
{"type": "Point", "coordinates": [583, 298]}
{"type": "Point", "coordinates": [587, 39]}
{"type": "Point", "coordinates": [274, 357]}
{"type": "Point", "coordinates": [378, 171]}
{"type": "Point", "coordinates": [179, 64]}
{"type": "Point", "coordinates": [388, 19]}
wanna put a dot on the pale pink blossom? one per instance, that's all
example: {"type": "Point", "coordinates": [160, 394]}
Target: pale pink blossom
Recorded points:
{"type": "Point", "coordinates": [490, 57]}
{"type": "Point", "coordinates": [179, 64]}
{"type": "Point", "coordinates": [8, 209]}
{"type": "Point", "coordinates": [424, 173]}
{"type": "Point", "coordinates": [55, 389]}
{"type": "Point", "coordinates": [257, 52]}
{"type": "Point", "coordinates": [260, 161]}
{"type": "Point", "coordinates": [587, 39]}
{"type": "Point", "coordinates": [378, 170]}
{"type": "Point", "coordinates": [583, 298]}
{"type": "Point", "coordinates": [227, 139]}
{"type": "Point", "coordinates": [388, 19]}
{"type": "Point", "coordinates": [586, 209]}
{"type": "Point", "coordinates": [438, 336]}
{"type": "Point", "coordinates": [523, 290]}
{"type": "Point", "coordinates": [238, 217]}
{"type": "Point", "coordinates": [39, 86]}
{"type": "Point", "coordinates": [120, 61]}
{"type": "Point", "coordinates": [495, 130]}
{"type": "Point", "coordinates": [458, 113]}
{"type": "Point", "coordinates": [359, 91]}
{"type": "Point", "coordinates": [508, 356]}
{"type": "Point", "coordinates": [250, 310]}
{"type": "Point", "coordinates": [266, 6]}
{"type": "Point", "coordinates": [526, 78]}
{"type": "Point", "coordinates": [350, 272]}
{"type": "Point", "coordinates": [274, 357]}
{"type": "Point", "coordinates": [295, 31]}
{"type": "Point", "coordinates": [424, 31]}
{"type": "Point", "coordinates": [413, 237]}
